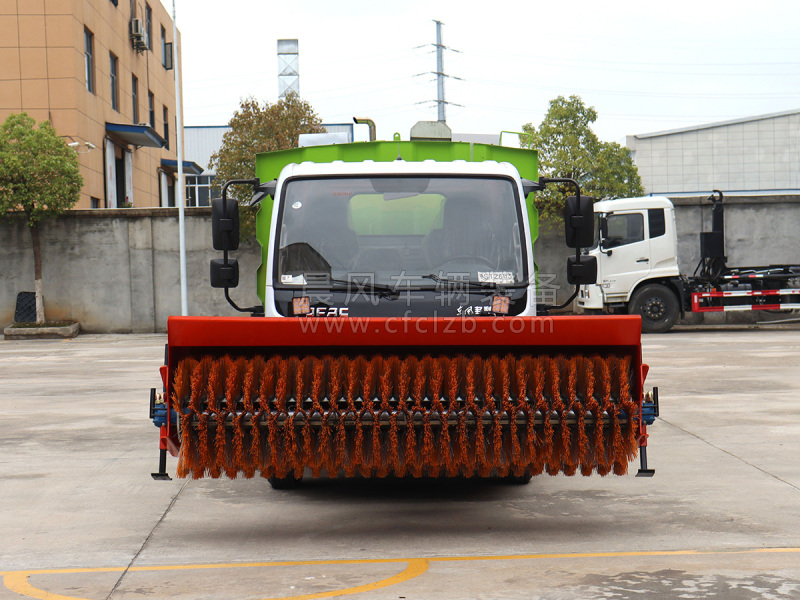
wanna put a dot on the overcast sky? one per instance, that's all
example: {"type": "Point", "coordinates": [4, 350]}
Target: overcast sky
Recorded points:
{"type": "Point", "coordinates": [645, 66]}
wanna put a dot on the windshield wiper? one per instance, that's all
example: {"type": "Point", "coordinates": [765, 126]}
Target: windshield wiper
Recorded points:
{"type": "Point", "coordinates": [484, 285]}
{"type": "Point", "coordinates": [381, 289]}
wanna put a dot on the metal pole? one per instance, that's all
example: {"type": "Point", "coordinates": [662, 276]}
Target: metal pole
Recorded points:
{"type": "Point", "coordinates": [179, 185]}
{"type": "Point", "coordinates": [439, 71]}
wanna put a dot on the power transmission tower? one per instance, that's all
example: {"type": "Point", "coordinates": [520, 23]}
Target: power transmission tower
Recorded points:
{"type": "Point", "coordinates": [440, 74]}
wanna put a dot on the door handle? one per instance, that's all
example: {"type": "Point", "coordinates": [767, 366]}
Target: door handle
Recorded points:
{"type": "Point", "coordinates": [643, 259]}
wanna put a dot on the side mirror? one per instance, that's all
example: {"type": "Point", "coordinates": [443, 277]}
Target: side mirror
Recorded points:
{"type": "Point", "coordinates": [224, 275]}
{"type": "Point", "coordinates": [262, 191]}
{"type": "Point", "coordinates": [528, 187]}
{"type": "Point", "coordinates": [581, 270]}
{"type": "Point", "coordinates": [225, 224]}
{"type": "Point", "coordinates": [579, 222]}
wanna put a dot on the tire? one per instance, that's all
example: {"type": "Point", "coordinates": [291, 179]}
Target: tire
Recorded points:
{"type": "Point", "coordinates": [657, 305]}
{"type": "Point", "coordinates": [289, 482]}
{"type": "Point", "coordinates": [523, 479]}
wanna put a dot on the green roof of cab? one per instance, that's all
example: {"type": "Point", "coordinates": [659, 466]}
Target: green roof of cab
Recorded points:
{"type": "Point", "coordinates": [270, 164]}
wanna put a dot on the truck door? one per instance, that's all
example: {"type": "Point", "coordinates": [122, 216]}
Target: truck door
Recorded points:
{"type": "Point", "coordinates": [627, 251]}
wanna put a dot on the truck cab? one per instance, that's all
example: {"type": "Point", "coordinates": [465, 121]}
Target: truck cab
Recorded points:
{"type": "Point", "coordinates": [400, 239]}
{"type": "Point", "coordinates": [637, 266]}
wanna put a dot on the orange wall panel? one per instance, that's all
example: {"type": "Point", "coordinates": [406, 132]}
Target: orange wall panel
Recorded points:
{"type": "Point", "coordinates": [31, 7]}
{"type": "Point", "coordinates": [59, 7]}
{"type": "Point", "coordinates": [9, 64]}
{"type": "Point", "coordinates": [10, 98]}
{"type": "Point", "coordinates": [31, 31]}
{"type": "Point", "coordinates": [9, 33]}
{"type": "Point", "coordinates": [34, 95]}
{"type": "Point", "coordinates": [33, 63]}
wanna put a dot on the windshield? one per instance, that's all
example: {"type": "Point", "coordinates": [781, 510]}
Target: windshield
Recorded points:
{"type": "Point", "coordinates": [399, 231]}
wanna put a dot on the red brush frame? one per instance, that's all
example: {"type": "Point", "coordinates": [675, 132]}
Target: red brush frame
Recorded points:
{"type": "Point", "coordinates": [193, 335]}
{"type": "Point", "coordinates": [542, 332]}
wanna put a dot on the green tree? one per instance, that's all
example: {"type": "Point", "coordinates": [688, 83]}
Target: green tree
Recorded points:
{"type": "Point", "coordinates": [569, 148]}
{"type": "Point", "coordinates": [39, 177]}
{"type": "Point", "coordinates": [257, 127]}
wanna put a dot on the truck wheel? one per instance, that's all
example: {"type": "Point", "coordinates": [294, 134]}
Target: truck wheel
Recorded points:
{"type": "Point", "coordinates": [523, 479]}
{"type": "Point", "coordinates": [289, 482]}
{"type": "Point", "coordinates": [657, 306]}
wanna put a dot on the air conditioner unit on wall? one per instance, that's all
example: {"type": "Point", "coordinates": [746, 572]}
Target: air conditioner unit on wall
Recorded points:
{"type": "Point", "coordinates": [139, 35]}
{"type": "Point", "coordinates": [137, 29]}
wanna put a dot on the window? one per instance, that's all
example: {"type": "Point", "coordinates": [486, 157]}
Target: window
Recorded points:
{"type": "Point", "coordinates": [200, 190]}
{"type": "Point", "coordinates": [135, 98]}
{"type": "Point", "coordinates": [115, 2]}
{"type": "Point", "coordinates": [624, 229]}
{"type": "Point", "coordinates": [112, 70]}
{"type": "Point", "coordinates": [168, 65]}
{"type": "Point", "coordinates": [148, 25]}
{"type": "Point", "coordinates": [88, 52]}
{"type": "Point", "coordinates": [401, 228]}
{"type": "Point", "coordinates": [95, 202]}
{"type": "Point", "coordinates": [163, 47]}
{"type": "Point", "coordinates": [166, 128]}
{"type": "Point", "coordinates": [151, 104]}
{"type": "Point", "coordinates": [655, 218]}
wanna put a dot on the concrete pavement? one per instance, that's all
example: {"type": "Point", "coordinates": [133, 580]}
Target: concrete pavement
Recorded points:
{"type": "Point", "coordinates": [719, 519]}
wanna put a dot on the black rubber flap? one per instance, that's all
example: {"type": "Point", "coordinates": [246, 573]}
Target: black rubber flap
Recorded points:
{"type": "Point", "coordinates": [25, 311]}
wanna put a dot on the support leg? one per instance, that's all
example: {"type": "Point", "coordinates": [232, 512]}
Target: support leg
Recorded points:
{"type": "Point", "coordinates": [643, 470]}
{"type": "Point", "coordinates": [162, 458]}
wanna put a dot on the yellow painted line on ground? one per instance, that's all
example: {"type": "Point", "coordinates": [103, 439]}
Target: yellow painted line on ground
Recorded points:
{"type": "Point", "coordinates": [614, 554]}
{"type": "Point", "coordinates": [416, 567]}
{"type": "Point", "coordinates": [17, 581]}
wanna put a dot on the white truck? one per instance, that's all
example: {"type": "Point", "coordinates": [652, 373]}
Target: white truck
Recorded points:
{"type": "Point", "coordinates": [636, 247]}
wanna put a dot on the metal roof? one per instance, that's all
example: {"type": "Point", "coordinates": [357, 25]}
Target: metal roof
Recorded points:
{"type": "Point", "coordinates": [189, 167]}
{"type": "Point", "coordinates": [136, 135]}
{"type": "Point", "coordinates": [718, 124]}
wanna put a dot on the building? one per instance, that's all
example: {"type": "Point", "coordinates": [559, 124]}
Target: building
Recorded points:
{"type": "Point", "coordinates": [752, 156]}
{"type": "Point", "coordinates": [201, 143]}
{"type": "Point", "coordinates": [101, 72]}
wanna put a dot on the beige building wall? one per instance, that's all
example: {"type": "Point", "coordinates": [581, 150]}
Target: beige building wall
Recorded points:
{"type": "Point", "coordinates": [42, 72]}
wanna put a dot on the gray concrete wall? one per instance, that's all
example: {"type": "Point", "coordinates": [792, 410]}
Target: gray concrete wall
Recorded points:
{"type": "Point", "coordinates": [759, 230]}
{"type": "Point", "coordinates": [550, 253]}
{"type": "Point", "coordinates": [118, 270]}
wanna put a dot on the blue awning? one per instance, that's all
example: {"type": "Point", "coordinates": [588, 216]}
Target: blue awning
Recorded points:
{"type": "Point", "coordinates": [189, 167]}
{"type": "Point", "coordinates": [136, 135]}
